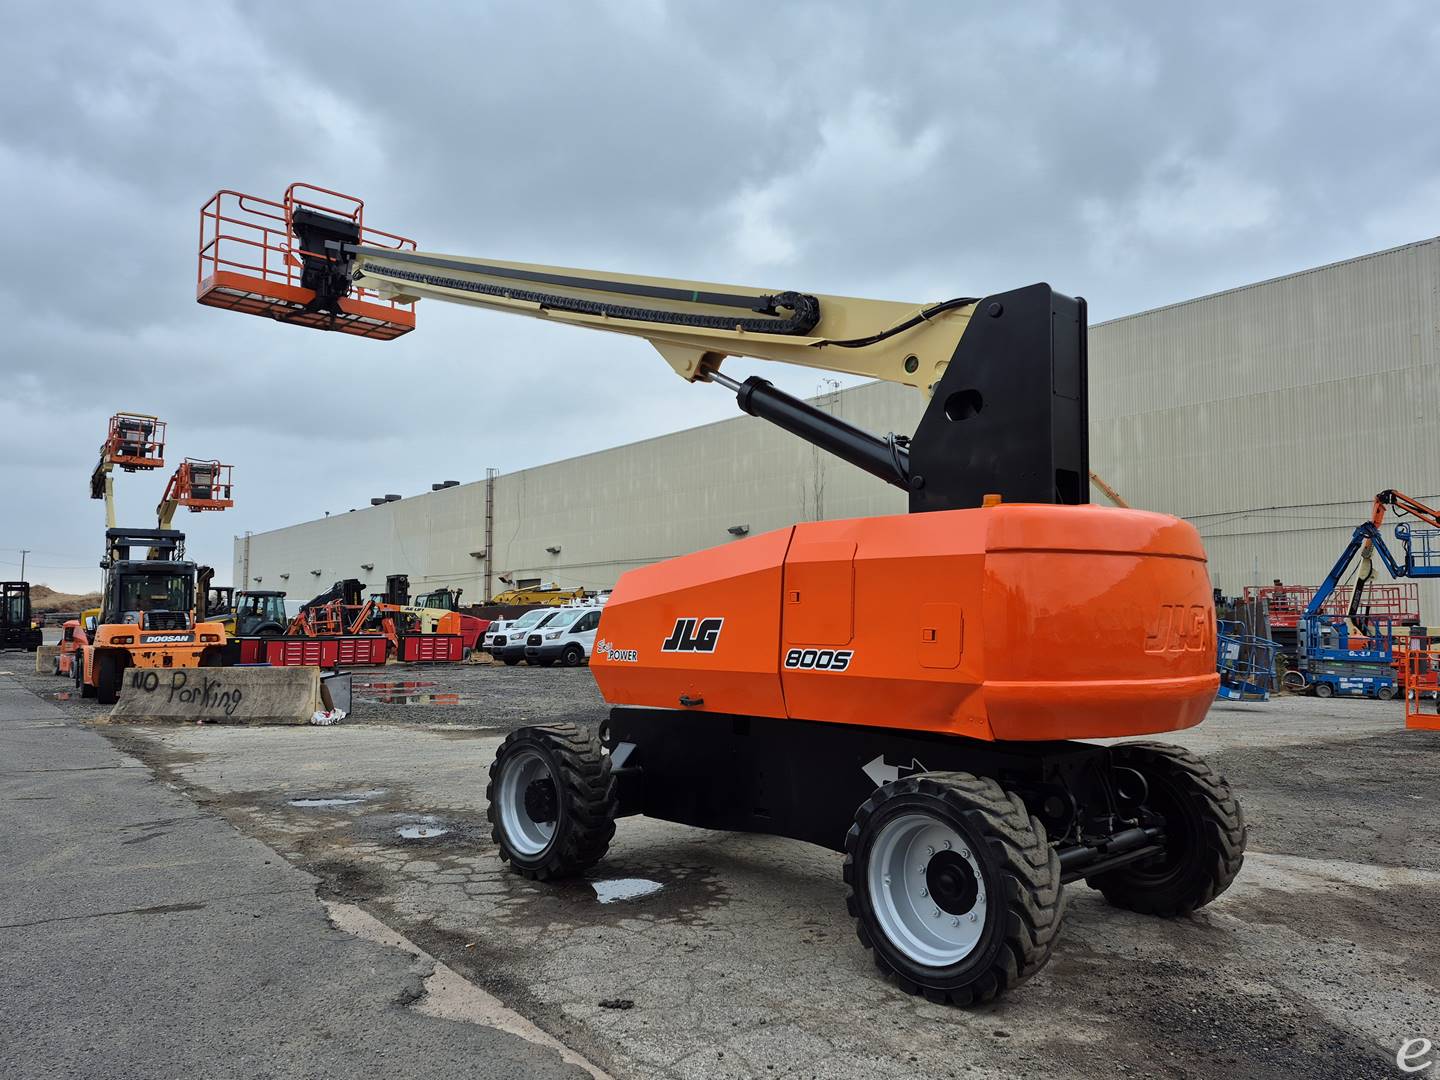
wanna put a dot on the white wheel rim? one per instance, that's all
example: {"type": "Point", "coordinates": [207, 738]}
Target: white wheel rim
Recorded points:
{"type": "Point", "coordinates": [526, 835]}
{"type": "Point", "coordinates": [932, 932]}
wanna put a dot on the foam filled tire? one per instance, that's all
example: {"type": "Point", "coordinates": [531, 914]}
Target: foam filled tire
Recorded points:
{"type": "Point", "coordinates": [211, 658]}
{"type": "Point", "coordinates": [573, 656]}
{"type": "Point", "coordinates": [953, 886]}
{"type": "Point", "coordinates": [108, 672]}
{"type": "Point", "coordinates": [551, 801]}
{"type": "Point", "coordinates": [1386, 693]}
{"type": "Point", "coordinates": [1204, 833]}
{"type": "Point", "coordinates": [1324, 690]}
{"type": "Point", "coordinates": [55, 665]}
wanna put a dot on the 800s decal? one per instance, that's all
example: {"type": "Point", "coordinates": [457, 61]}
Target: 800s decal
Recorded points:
{"type": "Point", "coordinates": [819, 659]}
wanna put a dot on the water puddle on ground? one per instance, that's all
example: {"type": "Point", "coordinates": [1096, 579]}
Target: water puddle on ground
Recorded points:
{"type": "Point", "coordinates": [418, 699]}
{"type": "Point", "coordinates": [406, 692]}
{"type": "Point", "coordinates": [427, 831]}
{"type": "Point", "coordinates": [614, 890]}
{"type": "Point", "coordinates": [329, 802]}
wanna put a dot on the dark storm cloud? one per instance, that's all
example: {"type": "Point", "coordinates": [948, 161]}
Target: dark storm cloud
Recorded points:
{"type": "Point", "coordinates": [1138, 154]}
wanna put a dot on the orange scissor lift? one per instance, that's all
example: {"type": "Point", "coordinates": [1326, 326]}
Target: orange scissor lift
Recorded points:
{"type": "Point", "coordinates": [914, 689]}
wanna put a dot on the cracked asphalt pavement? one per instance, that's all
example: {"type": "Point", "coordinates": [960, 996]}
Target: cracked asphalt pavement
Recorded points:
{"type": "Point", "coordinates": [721, 955]}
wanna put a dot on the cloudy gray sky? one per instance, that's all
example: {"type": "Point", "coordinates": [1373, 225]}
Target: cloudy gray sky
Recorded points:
{"type": "Point", "coordinates": [1136, 154]}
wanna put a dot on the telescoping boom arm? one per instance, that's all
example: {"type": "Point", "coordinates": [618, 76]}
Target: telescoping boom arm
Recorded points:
{"type": "Point", "coordinates": [1006, 373]}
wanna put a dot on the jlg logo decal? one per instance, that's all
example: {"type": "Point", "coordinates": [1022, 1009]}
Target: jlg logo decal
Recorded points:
{"type": "Point", "coordinates": [693, 635]}
{"type": "Point", "coordinates": [1179, 628]}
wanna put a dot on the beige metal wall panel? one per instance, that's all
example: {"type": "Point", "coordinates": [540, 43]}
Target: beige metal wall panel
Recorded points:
{"type": "Point", "coordinates": [1267, 415]}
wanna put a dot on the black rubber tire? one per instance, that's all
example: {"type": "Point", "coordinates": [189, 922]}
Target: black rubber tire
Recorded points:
{"type": "Point", "coordinates": [585, 800]}
{"type": "Point", "coordinates": [573, 656]}
{"type": "Point", "coordinates": [77, 669]}
{"type": "Point", "coordinates": [511, 661]}
{"type": "Point", "coordinates": [55, 664]}
{"type": "Point", "coordinates": [544, 661]}
{"type": "Point", "coordinates": [1017, 863]}
{"type": "Point", "coordinates": [1204, 833]}
{"type": "Point", "coordinates": [1386, 693]}
{"type": "Point", "coordinates": [108, 672]}
{"type": "Point", "coordinates": [210, 658]}
{"type": "Point", "coordinates": [1324, 690]}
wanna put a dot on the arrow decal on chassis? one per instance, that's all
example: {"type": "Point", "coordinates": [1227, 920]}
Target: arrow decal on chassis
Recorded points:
{"type": "Point", "coordinates": [881, 773]}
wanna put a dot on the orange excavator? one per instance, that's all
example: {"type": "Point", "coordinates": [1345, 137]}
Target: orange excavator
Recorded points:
{"type": "Point", "coordinates": [913, 690]}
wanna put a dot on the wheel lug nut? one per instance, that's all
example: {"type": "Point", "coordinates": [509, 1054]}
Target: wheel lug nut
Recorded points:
{"type": "Point", "coordinates": [946, 845]}
{"type": "Point", "coordinates": [964, 853]}
{"type": "Point", "coordinates": [973, 916]}
{"type": "Point", "coordinates": [955, 921]}
{"type": "Point", "coordinates": [936, 913]}
{"type": "Point", "coordinates": [924, 892]}
{"type": "Point", "coordinates": [886, 881]}
{"type": "Point", "coordinates": [929, 851]}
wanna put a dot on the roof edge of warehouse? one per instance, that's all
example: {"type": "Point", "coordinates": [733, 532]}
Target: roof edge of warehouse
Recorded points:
{"type": "Point", "coordinates": [1267, 281]}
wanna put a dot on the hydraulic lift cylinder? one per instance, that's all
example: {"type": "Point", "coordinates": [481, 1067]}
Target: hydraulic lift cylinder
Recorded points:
{"type": "Point", "coordinates": [886, 458]}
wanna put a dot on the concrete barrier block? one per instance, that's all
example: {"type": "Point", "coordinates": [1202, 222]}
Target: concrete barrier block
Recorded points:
{"type": "Point", "coordinates": [45, 659]}
{"type": "Point", "coordinates": [258, 695]}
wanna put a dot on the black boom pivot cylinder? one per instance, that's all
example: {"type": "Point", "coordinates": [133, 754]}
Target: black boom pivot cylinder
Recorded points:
{"type": "Point", "coordinates": [886, 458]}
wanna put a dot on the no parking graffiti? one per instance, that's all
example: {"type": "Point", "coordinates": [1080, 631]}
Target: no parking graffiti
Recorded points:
{"type": "Point", "coordinates": [288, 695]}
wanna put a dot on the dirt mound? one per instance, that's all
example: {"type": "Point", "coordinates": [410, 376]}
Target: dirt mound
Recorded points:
{"type": "Point", "coordinates": [44, 600]}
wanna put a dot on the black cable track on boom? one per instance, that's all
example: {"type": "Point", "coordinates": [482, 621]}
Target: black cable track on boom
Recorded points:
{"type": "Point", "coordinates": [806, 308]}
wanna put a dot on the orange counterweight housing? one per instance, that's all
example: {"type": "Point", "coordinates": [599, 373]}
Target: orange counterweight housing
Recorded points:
{"type": "Point", "coordinates": [251, 261]}
{"type": "Point", "coordinates": [1012, 622]}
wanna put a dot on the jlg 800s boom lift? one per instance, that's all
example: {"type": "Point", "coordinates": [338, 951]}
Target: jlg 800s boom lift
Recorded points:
{"type": "Point", "coordinates": [798, 683]}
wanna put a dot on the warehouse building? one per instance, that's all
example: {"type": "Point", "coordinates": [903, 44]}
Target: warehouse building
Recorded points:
{"type": "Point", "coordinates": [1267, 415]}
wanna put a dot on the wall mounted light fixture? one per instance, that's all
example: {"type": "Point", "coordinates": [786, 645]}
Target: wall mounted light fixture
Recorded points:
{"type": "Point", "coordinates": [367, 566]}
{"type": "Point", "coordinates": [554, 550]}
{"type": "Point", "coordinates": [738, 530]}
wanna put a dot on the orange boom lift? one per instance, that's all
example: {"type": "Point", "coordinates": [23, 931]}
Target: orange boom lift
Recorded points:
{"type": "Point", "coordinates": [907, 689]}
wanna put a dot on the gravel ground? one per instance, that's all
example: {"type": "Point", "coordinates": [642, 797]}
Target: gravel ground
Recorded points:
{"type": "Point", "coordinates": [741, 962]}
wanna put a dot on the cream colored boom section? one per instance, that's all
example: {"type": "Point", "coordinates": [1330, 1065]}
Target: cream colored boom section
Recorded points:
{"type": "Point", "coordinates": [694, 352]}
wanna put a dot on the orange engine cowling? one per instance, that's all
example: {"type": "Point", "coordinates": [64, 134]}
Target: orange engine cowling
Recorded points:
{"type": "Point", "coordinates": [1009, 622]}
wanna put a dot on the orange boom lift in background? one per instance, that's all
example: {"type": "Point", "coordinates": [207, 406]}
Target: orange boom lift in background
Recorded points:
{"type": "Point", "coordinates": [907, 689]}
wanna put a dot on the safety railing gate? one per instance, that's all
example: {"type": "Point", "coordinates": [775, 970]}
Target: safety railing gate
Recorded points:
{"type": "Point", "coordinates": [1422, 689]}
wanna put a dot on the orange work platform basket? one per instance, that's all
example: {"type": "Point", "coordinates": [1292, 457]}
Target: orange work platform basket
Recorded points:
{"type": "Point", "coordinates": [252, 261]}
{"type": "Point", "coordinates": [201, 485]}
{"type": "Point", "coordinates": [135, 442]}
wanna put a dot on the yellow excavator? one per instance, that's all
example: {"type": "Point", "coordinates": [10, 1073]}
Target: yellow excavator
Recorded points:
{"type": "Point", "coordinates": [551, 595]}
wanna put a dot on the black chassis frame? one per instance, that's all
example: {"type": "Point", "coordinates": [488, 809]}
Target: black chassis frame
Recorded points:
{"type": "Point", "coordinates": [806, 779]}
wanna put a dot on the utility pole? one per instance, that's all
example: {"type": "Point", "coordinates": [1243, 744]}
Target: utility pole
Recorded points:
{"type": "Point", "coordinates": [23, 553]}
